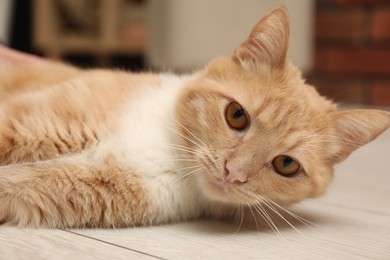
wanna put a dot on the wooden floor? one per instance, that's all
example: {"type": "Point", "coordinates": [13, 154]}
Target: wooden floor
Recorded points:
{"type": "Point", "coordinates": [352, 221]}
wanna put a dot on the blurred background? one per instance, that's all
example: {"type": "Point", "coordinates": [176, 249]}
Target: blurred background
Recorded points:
{"type": "Point", "coordinates": [342, 46]}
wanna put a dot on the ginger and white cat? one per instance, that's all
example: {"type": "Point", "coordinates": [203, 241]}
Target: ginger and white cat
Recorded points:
{"type": "Point", "coordinates": [100, 148]}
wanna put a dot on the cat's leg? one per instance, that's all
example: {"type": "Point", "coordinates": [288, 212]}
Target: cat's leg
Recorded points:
{"type": "Point", "coordinates": [72, 192]}
{"type": "Point", "coordinates": [68, 117]}
{"type": "Point", "coordinates": [48, 123]}
{"type": "Point", "coordinates": [21, 80]}
{"type": "Point", "coordinates": [28, 133]}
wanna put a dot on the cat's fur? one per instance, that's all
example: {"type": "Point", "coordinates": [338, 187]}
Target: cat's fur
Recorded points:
{"type": "Point", "coordinates": [106, 148]}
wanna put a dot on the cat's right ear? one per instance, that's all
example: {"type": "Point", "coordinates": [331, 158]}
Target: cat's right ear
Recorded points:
{"type": "Point", "coordinates": [267, 44]}
{"type": "Point", "coordinates": [355, 128]}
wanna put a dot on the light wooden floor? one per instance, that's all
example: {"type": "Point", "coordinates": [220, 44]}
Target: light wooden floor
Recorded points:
{"type": "Point", "coordinates": [352, 221]}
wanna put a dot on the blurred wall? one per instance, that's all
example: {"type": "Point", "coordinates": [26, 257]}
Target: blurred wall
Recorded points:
{"type": "Point", "coordinates": [5, 20]}
{"type": "Point", "coordinates": [187, 34]}
{"type": "Point", "coordinates": [352, 53]}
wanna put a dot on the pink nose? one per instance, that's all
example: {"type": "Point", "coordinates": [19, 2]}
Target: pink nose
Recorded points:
{"type": "Point", "coordinates": [232, 174]}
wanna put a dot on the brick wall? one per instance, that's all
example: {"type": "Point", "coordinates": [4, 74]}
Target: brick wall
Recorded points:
{"type": "Point", "coordinates": [352, 53]}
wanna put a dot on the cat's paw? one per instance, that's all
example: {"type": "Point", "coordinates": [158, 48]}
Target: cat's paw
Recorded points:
{"type": "Point", "coordinates": [15, 210]}
{"type": "Point", "coordinates": [4, 207]}
{"type": "Point", "coordinates": [5, 198]}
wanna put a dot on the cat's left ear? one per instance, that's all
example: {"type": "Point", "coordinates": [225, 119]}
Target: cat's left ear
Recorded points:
{"type": "Point", "coordinates": [355, 128]}
{"type": "Point", "coordinates": [267, 44]}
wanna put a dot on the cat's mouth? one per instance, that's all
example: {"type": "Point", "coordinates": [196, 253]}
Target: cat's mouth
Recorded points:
{"type": "Point", "coordinates": [221, 185]}
{"type": "Point", "coordinates": [222, 190]}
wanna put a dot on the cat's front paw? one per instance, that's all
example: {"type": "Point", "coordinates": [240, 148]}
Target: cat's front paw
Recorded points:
{"type": "Point", "coordinates": [4, 206]}
{"type": "Point", "coordinates": [15, 211]}
{"type": "Point", "coordinates": [3, 213]}
{"type": "Point", "coordinates": [14, 208]}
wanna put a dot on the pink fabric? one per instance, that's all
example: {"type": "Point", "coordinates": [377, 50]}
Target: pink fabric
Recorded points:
{"type": "Point", "coordinates": [11, 56]}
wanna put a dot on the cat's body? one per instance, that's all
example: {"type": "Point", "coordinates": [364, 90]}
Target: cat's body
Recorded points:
{"type": "Point", "coordinates": [118, 121]}
{"type": "Point", "coordinates": [110, 148]}
{"type": "Point", "coordinates": [115, 124]}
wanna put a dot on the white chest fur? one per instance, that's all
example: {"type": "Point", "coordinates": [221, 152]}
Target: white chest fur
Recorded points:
{"type": "Point", "coordinates": [144, 144]}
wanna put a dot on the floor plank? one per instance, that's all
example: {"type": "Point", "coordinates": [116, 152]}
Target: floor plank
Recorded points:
{"type": "Point", "coordinates": [57, 244]}
{"type": "Point", "coordinates": [340, 232]}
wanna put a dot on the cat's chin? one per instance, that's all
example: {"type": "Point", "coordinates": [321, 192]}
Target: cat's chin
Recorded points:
{"type": "Point", "coordinates": [221, 191]}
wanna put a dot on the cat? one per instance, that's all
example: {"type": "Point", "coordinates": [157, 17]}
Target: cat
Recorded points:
{"type": "Point", "coordinates": [105, 148]}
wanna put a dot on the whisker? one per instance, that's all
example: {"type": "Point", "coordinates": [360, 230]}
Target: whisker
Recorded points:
{"type": "Point", "coordinates": [297, 217]}
{"type": "Point", "coordinates": [191, 151]}
{"type": "Point", "coordinates": [177, 160]}
{"type": "Point", "coordinates": [282, 217]}
{"type": "Point", "coordinates": [187, 175]}
{"type": "Point", "coordinates": [241, 218]}
{"type": "Point", "coordinates": [254, 216]}
{"type": "Point", "coordinates": [267, 219]}
{"type": "Point", "coordinates": [185, 128]}
{"type": "Point", "coordinates": [180, 146]}
{"type": "Point", "coordinates": [260, 211]}
{"type": "Point", "coordinates": [185, 137]}
{"type": "Point", "coordinates": [236, 218]}
{"type": "Point", "coordinates": [181, 169]}
{"type": "Point", "coordinates": [269, 204]}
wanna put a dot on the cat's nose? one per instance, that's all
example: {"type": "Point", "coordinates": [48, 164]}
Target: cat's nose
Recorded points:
{"type": "Point", "coordinates": [233, 175]}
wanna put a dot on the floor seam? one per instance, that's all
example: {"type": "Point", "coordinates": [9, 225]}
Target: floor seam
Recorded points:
{"type": "Point", "coordinates": [112, 244]}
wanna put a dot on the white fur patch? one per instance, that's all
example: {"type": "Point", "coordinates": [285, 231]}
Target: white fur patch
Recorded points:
{"type": "Point", "coordinates": [144, 144]}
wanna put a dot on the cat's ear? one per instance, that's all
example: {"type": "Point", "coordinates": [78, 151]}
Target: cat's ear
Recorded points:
{"type": "Point", "coordinates": [267, 43]}
{"type": "Point", "coordinates": [355, 128]}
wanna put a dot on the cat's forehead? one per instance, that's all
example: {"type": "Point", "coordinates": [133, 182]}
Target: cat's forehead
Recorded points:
{"type": "Point", "coordinates": [258, 90]}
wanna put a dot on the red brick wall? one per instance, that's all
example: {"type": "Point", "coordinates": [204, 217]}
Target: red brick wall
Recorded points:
{"type": "Point", "coordinates": [352, 52]}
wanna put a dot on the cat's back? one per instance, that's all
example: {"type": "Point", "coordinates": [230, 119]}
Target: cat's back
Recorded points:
{"type": "Point", "coordinates": [16, 79]}
{"type": "Point", "coordinates": [19, 79]}
{"type": "Point", "coordinates": [56, 109]}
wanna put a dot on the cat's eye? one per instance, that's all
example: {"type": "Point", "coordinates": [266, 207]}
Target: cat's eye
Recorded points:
{"type": "Point", "coordinates": [286, 165]}
{"type": "Point", "coordinates": [236, 116]}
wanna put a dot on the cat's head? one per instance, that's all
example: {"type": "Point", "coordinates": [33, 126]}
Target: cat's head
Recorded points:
{"type": "Point", "coordinates": [258, 131]}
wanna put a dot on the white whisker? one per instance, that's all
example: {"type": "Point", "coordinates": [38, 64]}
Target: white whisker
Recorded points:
{"type": "Point", "coordinates": [267, 218]}
{"type": "Point", "coordinates": [180, 146]}
{"type": "Point", "coordinates": [241, 218]}
{"type": "Point", "coordinates": [254, 216]}
{"type": "Point", "coordinates": [181, 169]}
{"type": "Point", "coordinates": [299, 218]}
{"type": "Point", "coordinates": [185, 137]}
{"type": "Point", "coordinates": [282, 217]}
{"type": "Point", "coordinates": [177, 160]}
{"type": "Point", "coordinates": [188, 174]}
{"type": "Point", "coordinates": [188, 150]}
{"type": "Point", "coordinates": [185, 128]}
